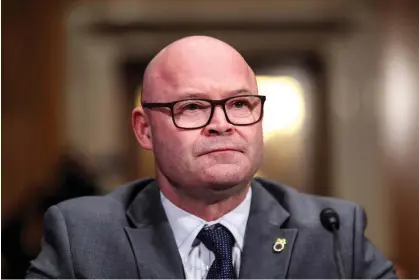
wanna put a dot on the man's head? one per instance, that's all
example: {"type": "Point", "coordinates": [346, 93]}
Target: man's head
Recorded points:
{"type": "Point", "coordinates": [220, 157]}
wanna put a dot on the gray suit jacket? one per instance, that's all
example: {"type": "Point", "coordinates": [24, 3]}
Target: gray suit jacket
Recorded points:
{"type": "Point", "coordinates": [126, 234]}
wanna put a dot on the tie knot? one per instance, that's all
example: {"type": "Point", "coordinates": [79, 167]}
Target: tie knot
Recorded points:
{"type": "Point", "coordinates": [218, 239]}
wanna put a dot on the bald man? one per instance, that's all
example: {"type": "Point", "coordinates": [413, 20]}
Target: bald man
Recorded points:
{"type": "Point", "coordinates": [204, 216]}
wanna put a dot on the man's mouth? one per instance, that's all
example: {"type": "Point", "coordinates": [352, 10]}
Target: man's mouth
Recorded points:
{"type": "Point", "coordinates": [220, 150]}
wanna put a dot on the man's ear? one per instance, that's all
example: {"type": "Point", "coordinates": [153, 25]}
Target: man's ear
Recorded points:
{"type": "Point", "coordinates": [141, 126]}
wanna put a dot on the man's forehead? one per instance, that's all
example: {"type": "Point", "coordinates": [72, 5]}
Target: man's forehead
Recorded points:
{"type": "Point", "coordinates": [198, 64]}
{"type": "Point", "coordinates": [205, 82]}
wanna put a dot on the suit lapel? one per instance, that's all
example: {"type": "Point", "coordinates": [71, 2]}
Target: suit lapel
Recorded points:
{"type": "Point", "coordinates": [152, 238]}
{"type": "Point", "coordinates": [264, 227]}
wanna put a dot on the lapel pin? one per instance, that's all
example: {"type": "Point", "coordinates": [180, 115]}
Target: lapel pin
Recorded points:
{"type": "Point", "coordinates": [279, 244]}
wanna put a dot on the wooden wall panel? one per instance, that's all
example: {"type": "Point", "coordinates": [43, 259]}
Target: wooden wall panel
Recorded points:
{"type": "Point", "coordinates": [32, 76]}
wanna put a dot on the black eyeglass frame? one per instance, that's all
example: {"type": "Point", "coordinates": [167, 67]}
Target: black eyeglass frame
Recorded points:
{"type": "Point", "coordinates": [214, 103]}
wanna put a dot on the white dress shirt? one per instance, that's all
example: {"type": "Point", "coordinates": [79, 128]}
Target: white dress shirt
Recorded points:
{"type": "Point", "coordinates": [196, 258]}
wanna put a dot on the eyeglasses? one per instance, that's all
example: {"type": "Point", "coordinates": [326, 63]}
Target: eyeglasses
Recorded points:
{"type": "Point", "coordinates": [194, 113]}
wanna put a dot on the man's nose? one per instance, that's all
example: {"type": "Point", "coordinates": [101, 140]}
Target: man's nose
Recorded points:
{"type": "Point", "coordinates": [218, 124]}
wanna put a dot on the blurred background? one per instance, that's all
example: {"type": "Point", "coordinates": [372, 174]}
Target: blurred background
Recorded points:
{"type": "Point", "coordinates": [342, 116]}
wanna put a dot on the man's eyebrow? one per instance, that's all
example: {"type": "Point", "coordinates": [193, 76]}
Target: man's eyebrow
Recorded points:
{"type": "Point", "coordinates": [242, 91]}
{"type": "Point", "coordinates": [187, 95]}
{"type": "Point", "coordinates": [202, 95]}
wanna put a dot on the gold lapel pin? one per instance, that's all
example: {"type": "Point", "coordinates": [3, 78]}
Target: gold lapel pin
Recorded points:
{"type": "Point", "coordinates": [279, 244]}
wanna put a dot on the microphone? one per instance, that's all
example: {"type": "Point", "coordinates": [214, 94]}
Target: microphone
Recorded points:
{"type": "Point", "coordinates": [330, 221]}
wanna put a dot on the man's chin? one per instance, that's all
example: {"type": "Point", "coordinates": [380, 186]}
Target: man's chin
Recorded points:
{"type": "Point", "coordinates": [223, 178]}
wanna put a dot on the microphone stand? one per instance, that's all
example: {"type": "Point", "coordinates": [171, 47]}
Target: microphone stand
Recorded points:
{"type": "Point", "coordinates": [330, 221]}
{"type": "Point", "coordinates": [338, 253]}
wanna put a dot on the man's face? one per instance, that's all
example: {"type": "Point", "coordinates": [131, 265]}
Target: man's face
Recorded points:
{"type": "Point", "coordinates": [220, 154]}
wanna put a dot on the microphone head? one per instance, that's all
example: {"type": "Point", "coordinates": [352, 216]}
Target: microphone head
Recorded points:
{"type": "Point", "coordinates": [329, 219]}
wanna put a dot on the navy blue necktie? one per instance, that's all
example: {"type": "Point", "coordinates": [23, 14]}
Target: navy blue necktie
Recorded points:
{"type": "Point", "coordinates": [220, 241]}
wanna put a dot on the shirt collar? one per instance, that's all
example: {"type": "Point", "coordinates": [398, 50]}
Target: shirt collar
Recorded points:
{"type": "Point", "coordinates": [186, 226]}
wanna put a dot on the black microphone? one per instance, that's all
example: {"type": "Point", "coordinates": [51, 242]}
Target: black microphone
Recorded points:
{"type": "Point", "coordinates": [330, 221]}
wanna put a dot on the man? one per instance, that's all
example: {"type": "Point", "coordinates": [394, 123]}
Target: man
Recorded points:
{"type": "Point", "coordinates": [203, 216]}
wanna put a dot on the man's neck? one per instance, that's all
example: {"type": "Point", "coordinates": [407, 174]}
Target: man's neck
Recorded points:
{"type": "Point", "coordinates": [202, 208]}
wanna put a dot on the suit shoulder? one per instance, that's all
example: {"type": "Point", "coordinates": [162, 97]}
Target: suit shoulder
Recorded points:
{"type": "Point", "coordinates": [305, 208]}
{"type": "Point", "coordinates": [106, 207]}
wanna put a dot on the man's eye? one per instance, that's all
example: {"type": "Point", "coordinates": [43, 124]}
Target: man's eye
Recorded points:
{"type": "Point", "coordinates": [191, 107]}
{"type": "Point", "coordinates": [240, 104]}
